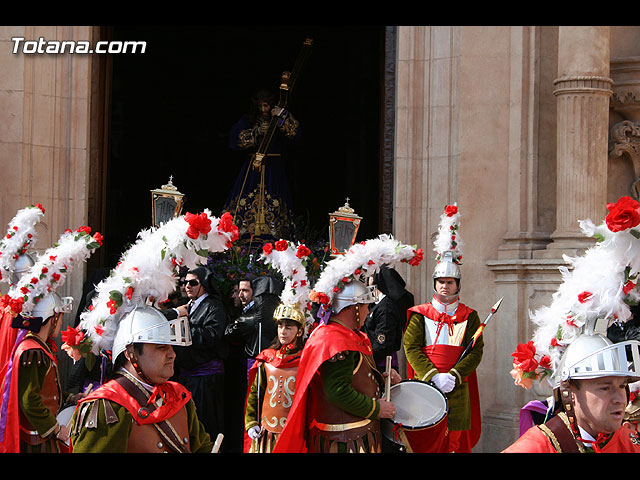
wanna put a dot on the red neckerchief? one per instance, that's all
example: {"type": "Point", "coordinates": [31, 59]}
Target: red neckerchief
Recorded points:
{"type": "Point", "coordinates": [597, 444]}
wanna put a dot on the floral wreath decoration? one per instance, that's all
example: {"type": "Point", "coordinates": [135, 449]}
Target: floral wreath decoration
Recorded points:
{"type": "Point", "coordinates": [447, 243]}
{"type": "Point", "coordinates": [600, 287]}
{"type": "Point", "coordinates": [291, 259]}
{"type": "Point", "coordinates": [360, 262]}
{"type": "Point", "coordinates": [147, 272]}
{"type": "Point", "coordinates": [19, 237]}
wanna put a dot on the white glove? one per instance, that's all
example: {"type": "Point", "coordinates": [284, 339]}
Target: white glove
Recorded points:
{"type": "Point", "coordinates": [444, 381]}
{"type": "Point", "coordinates": [254, 432]}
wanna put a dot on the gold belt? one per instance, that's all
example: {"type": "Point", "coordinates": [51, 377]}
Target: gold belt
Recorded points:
{"type": "Point", "coordinates": [339, 427]}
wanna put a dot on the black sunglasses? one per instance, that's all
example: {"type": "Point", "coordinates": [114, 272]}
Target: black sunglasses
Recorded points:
{"type": "Point", "coordinates": [193, 282]}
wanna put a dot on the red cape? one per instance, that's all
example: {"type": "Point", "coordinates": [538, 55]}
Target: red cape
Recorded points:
{"type": "Point", "coordinates": [176, 396]}
{"type": "Point", "coordinates": [8, 336]}
{"type": "Point", "coordinates": [468, 438]}
{"type": "Point", "coordinates": [325, 342]}
{"type": "Point", "coordinates": [10, 443]}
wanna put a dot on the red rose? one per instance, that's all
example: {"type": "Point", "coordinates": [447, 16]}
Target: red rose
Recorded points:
{"type": "Point", "coordinates": [623, 214]}
{"type": "Point", "coordinates": [419, 255]}
{"type": "Point", "coordinates": [112, 306]}
{"type": "Point", "coordinates": [129, 292]}
{"type": "Point", "coordinates": [98, 237]}
{"type": "Point", "coordinates": [226, 225]}
{"type": "Point", "coordinates": [584, 297]}
{"type": "Point", "coordinates": [86, 230]}
{"type": "Point", "coordinates": [98, 329]}
{"type": "Point", "coordinates": [267, 248]}
{"type": "Point", "coordinates": [523, 357]}
{"type": "Point", "coordinates": [346, 280]}
{"type": "Point", "coordinates": [303, 251]}
{"type": "Point", "coordinates": [628, 287]}
{"type": "Point", "coordinates": [44, 270]}
{"type": "Point", "coordinates": [72, 336]}
{"type": "Point", "coordinates": [56, 277]}
{"type": "Point", "coordinates": [24, 290]}
{"type": "Point", "coordinates": [281, 245]}
{"type": "Point", "coordinates": [450, 210]}
{"type": "Point", "coordinates": [40, 207]}
{"type": "Point", "coordinates": [545, 362]}
{"type": "Point", "coordinates": [198, 224]}
{"type": "Point", "coordinates": [323, 298]}
{"type": "Point", "coordinates": [34, 280]}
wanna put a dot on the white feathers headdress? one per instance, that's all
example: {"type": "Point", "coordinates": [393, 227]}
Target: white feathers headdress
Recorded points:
{"type": "Point", "coordinates": [19, 237]}
{"type": "Point", "coordinates": [149, 270]}
{"type": "Point", "coordinates": [291, 261]}
{"type": "Point", "coordinates": [360, 262]}
{"type": "Point", "coordinates": [447, 241]}
{"type": "Point", "coordinates": [599, 287]}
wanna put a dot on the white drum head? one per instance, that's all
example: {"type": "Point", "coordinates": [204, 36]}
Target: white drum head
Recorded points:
{"type": "Point", "coordinates": [418, 404]}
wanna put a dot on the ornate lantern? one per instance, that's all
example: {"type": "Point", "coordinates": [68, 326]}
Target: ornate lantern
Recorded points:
{"type": "Point", "coordinates": [343, 228]}
{"type": "Point", "coordinates": [166, 203]}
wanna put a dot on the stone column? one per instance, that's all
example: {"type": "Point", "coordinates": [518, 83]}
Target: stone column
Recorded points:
{"type": "Point", "coordinates": [583, 89]}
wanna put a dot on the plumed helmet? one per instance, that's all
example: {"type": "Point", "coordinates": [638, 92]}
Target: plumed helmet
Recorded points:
{"type": "Point", "coordinates": [145, 324]}
{"type": "Point", "coordinates": [447, 268]}
{"type": "Point", "coordinates": [51, 304]}
{"type": "Point", "coordinates": [22, 264]}
{"type": "Point", "coordinates": [353, 293]}
{"type": "Point", "coordinates": [594, 356]}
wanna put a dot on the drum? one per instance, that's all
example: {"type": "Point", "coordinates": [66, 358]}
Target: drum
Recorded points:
{"type": "Point", "coordinates": [64, 416]}
{"type": "Point", "coordinates": [420, 422]}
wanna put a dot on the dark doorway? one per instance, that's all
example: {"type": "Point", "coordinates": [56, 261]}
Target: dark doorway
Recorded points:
{"type": "Point", "coordinates": [173, 106]}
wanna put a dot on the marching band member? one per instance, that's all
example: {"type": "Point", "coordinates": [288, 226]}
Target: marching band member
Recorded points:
{"type": "Point", "coordinates": [139, 409]}
{"type": "Point", "coordinates": [338, 402]}
{"type": "Point", "coordinates": [272, 377]}
{"type": "Point", "coordinates": [435, 337]}
{"type": "Point", "coordinates": [589, 374]}
{"type": "Point", "coordinates": [31, 391]}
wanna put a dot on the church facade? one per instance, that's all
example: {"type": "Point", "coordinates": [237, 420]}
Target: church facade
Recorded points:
{"type": "Point", "coordinates": [527, 128]}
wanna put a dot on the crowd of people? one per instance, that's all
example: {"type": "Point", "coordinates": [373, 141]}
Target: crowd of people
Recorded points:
{"type": "Point", "coordinates": [280, 365]}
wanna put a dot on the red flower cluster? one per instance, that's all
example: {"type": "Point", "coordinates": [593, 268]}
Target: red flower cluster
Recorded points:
{"type": "Point", "coordinates": [112, 307]}
{"type": "Point", "coordinates": [281, 245]}
{"type": "Point", "coordinates": [14, 304]}
{"type": "Point", "coordinates": [524, 357]}
{"type": "Point", "coordinates": [86, 230]}
{"type": "Point", "coordinates": [226, 225]}
{"type": "Point", "coordinates": [198, 224]}
{"type": "Point", "coordinates": [584, 297]}
{"type": "Point", "coordinates": [319, 297]}
{"type": "Point", "coordinates": [623, 214]}
{"type": "Point", "coordinates": [303, 251]}
{"type": "Point", "coordinates": [72, 336]}
{"type": "Point", "coordinates": [98, 237]}
{"type": "Point", "coordinates": [38, 205]}
{"type": "Point", "coordinates": [267, 248]}
{"type": "Point", "coordinates": [419, 255]}
{"type": "Point", "coordinates": [628, 287]}
{"type": "Point", "coordinates": [450, 210]}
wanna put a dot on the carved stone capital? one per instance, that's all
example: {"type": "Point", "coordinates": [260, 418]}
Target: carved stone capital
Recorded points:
{"type": "Point", "coordinates": [583, 84]}
{"type": "Point", "coordinates": [624, 139]}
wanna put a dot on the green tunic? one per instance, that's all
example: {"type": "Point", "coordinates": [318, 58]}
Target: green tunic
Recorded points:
{"type": "Point", "coordinates": [114, 437]}
{"type": "Point", "coordinates": [32, 371]}
{"type": "Point", "coordinates": [458, 399]}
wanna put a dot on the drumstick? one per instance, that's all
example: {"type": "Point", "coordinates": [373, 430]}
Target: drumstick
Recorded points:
{"type": "Point", "coordinates": [216, 445]}
{"type": "Point", "coordinates": [388, 380]}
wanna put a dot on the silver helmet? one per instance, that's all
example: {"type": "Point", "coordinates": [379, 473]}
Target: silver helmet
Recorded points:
{"type": "Point", "coordinates": [22, 264]}
{"type": "Point", "coordinates": [447, 267]}
{"type": "Point", "coordinates": [353, 293]}
{"type": "Point", "coordinates": [594, 356]}
{"type": "Point", "coordinates": [145, 324]}
{"type": "Point", "coordinates": [51, 304]}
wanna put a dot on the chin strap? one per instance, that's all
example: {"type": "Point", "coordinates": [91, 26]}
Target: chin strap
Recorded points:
{"type": "Point", "coordinates": [133, 358]}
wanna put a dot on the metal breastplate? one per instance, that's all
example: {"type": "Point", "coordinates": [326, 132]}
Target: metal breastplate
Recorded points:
{"type": "Point", "coordinates": [280, 387]}
{"type": "Point", "coordinates": [147, 438]}
{"type": "Point", "coordinates": [336, 424]}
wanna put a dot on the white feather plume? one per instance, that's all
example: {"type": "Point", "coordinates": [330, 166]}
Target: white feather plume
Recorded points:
{"type": "Point", "coordinates": [448, 234]}
{"type": "Point", "coordinates": [593, 289]}
{"type": "Point", "coordinates": [363, 260]}
{"type": "Point", "coordinates": [148, 269]}
{"type": "Point", "coordinates": [52, 267]}
{"type": "Point", "coordinates": [19, 237]}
